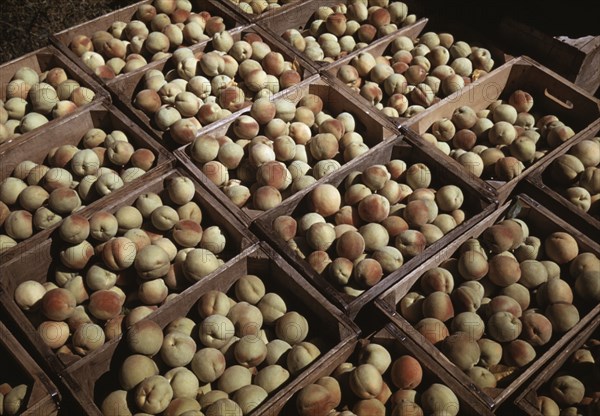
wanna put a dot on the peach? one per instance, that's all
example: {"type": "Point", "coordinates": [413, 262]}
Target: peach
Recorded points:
{"type": "Point", "coordinates": [438, 396]}
{"type": "Point", "coordinates": [406, 372]}
{"type": "Point", "coordinates": [504, 270]}
{"type": "Point", "coordinates": [432, 329]}
{"type": "Point", "coordinates": [366, 381]}
{"type": "Point", "coordinates": [367, 272]}
{"type": "Point", "coordinates": [119, 253]}
{"type": "Point", "coordinates": [177, 349]}
{"type": "Point", "coordinates": [410, 243]}
{"type": "Point", "coordinates": [567, 390]}
{"type": "Point", "coordinates": [285, 226]}
{"type": "Point", "coordinates": [145, 337]}
{"type": "Point", "coordinates": [469, 323]}
{"type": "Point", "coordinates": [519, 353]}
{"type": "Point", "coordinates": [53, 334]}
{"type": "Point", "coordinates": [105, 304]}
{"type": "Point", "coordinates": [313, 399]}
{"type": "Point", "coordinates": [504, 304]}
{"type": "Point", "coordinates": [266, 197]}
{"type": "Point", "coordinates": [58, 304]}
{"type": "Point", "coordinates": [472, 265]}
{"type": "Point", "coordinates": [563, 316]}
{"type": "Point", "coordinates": [374, 208]}
{"type": "Point", "coordinates": [561, 247]}
{"type": "Point", "coordinates": [325, 199]}
{"type": "Point", "coordinates": [87, 338]}
{"type": "Point", "coordinates": [350, 245]}
{"type": "Point", "coordinates": [439, 306]}
{"type": "Point", "coordinates": [462, 350]}
{"type": "Point", "coordinates": [504, 327]}
{"type": "Point", "coordinates": [499, 238]}
{"type": "Point", "coordinates": [482, 377]}
{"type": "Point", "coordinates": [437, 279]}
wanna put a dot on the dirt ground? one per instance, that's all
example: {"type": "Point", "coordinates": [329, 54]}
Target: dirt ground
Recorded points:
{"type": "Point", "coordinates": [26, 24]}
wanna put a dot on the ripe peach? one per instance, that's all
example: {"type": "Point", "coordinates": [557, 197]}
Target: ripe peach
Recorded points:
{"type": "Point", "coordinates": [462, 350]}
{"type": "Point", "coordinates": [439, 306]}
{"type": "Point", "coordinates": [410, 243]}
{"type": "Point", "coordinates": [563, 316]}
{"type": "Point", "coordinates": [504, 270]}
{"type": "Point", "coordinates": [438, 396]}
{"type": "Point", "coordinates": [54, 334]}
{"type": "Point", "coordinates": [469, 323]}
{"type": "Point", "coordinates": [119, 253]}
{"type": "Point", "coordinates": [432, 329]}
{"type": "Point", "coordinates": [105, 304]}
{"type": "Point", "coordinates": [58, 304]}
{"type": "Point", "coordinates": [504, 304]}
{"type": "Point", "coordinates": [76, 257]}
{"type": "Point", "coordinates": [561, 247]}
{"type": "Point", "coordinates": [367, 272]}
{"type": "Point", "coordinates": [504, 327]}
{"type": "Point", "coordinates": [87, 338]}
{"type": "Point", "coordinates": [350, 245]}
{"type": "Point", "coordinates": [325, 199]}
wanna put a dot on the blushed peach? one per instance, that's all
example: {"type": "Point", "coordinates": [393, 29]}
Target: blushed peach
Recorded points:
{"type": "Point", "coordinates": [561, 247]}
{"type": "Point", "coordinates": [350, 245]}
{"type": "Point", "coordinates": [105, 304]}
{"type": "Point", "coordinates": [432, 329]}
{"type": "Point", "coordinates": [325, 199]}
{"type": "Point", "coordinates": [537, 329]}
{"type": "Point", "coordinates": [439, 306]}
{"type": "Point", "coordinates": [563, 316]}
{"type": "Point", "coordinates": [58, 304]}
{"type": "Point", "coordinates": [504, 270]}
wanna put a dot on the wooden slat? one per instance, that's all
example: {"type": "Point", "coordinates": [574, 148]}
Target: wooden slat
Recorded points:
{"type": "Point", "coordinates": [548, 90]}
{"type": "Point", "coordinates": [40, 261]}
{"type": "Point", "coordinates": [70, 131]}
{"type": "Point", "coordinates": [90, 381]}
{"type": "Point", "coordinates": [476, 208]}
{"type": "Point", "coordinates": [334, 101]}
{"type": "Point", "coordinates": [541, 223]}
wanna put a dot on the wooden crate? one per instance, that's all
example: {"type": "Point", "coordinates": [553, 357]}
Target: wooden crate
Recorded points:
{"type": "Point", "coordinates": [16, 364]}
{"type": "Point", "coordinates": [90, 381]}
{"type": "Point", "coordinates": [527, 400]}
{"type": "Point", "coordinates": [40, 261]}
{"type": "Point", "coordinates": [63, 39]}
{"type": "Point", "coordinates": [540, 185]}
{"type": "Point", "coordinates": [552, 95]}
{"type": "Point", "coordinates": [577, 60]}
{"type": "Point", "coordinates": [439, 25]}
{"type": "Point", "coordinates": [397, 343]}
{"type": "Point", "coordinates": [70, 130]}
{"type": "Point", "coordinates": [279, 13]}
{"type": "Point", "coordinates": [475, 206]}
{"type": "Point", "coordinates": [43, 60]}
{"type": "Point", "coordinates": [125, 88]}
{"type": "Point", "coordinates": [300, 17]}
{"type": "Point", "coordinates": [541, 223]}
{"type": "Point", "coordinates": [335, 102]}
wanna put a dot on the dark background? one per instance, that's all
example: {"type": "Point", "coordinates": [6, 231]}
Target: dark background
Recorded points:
{"type": "Point", "coordinates": [26, 24]}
